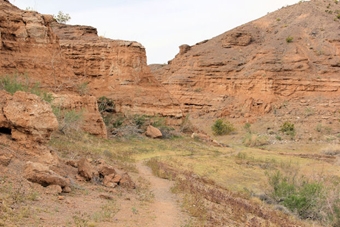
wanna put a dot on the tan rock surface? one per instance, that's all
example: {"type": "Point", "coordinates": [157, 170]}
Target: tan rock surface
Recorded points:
{"type": "Point", "coordinates": [153, 132]}
{"type": "Point", "coordinates": [86, 170]}
{"type": "Point", "coordinates": [92, 121]}
{"type": "Point", "coordinates": [29, 118]}
{"type": "Point", "coordinates": [41, 174]}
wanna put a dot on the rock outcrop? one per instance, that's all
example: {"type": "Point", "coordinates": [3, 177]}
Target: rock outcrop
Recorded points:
{"type": "Point", "coordinates": [26, 117]}
{"type": "Point", "coordinates": [92, 122]}
{"type": "Point", "coordinates": [29, 46]}
{"type": "Point", "coordinates": [115, 69]}
{"type": "Point", "coordinates": [293, 52]}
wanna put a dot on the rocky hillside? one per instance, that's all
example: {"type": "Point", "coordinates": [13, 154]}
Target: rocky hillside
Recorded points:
{"type": "Point", "coordinates": [287, 55]}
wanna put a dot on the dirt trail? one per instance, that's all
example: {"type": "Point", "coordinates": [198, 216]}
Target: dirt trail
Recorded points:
{"type": "Point", "coordinates": [166, 210]}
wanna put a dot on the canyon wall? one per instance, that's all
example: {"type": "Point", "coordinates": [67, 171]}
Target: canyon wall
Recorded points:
{"type": "Point", "coordinates": [292, 52]}
{"type": "Point", "coordinates": [117, 70]}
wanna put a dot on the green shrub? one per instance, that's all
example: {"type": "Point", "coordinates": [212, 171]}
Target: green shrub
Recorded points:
{"type": "Point", "coordinates": [13, 83]}
{"type": "Point", "coordinates": [68, 119]}
{"type": "Point", "coordinates": [105, 104]}
{"type": "Point", "coordinates": [61, 17]}
{"type": "Point", "coordinates": [289, 39]}
{"type": "Point", "coordinates": [247, 127]}
{"type": "Point", "coordinates": [139, 120]}
{"type": "Point", "coordinates": [221, 128]}
{"type": "Point", "coordinates": [288, 128]}
{"type": "Point", "coordinates": [298, 194]}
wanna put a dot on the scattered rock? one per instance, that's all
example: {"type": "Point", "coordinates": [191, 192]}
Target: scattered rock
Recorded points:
{"type": "Point", "coordinates": [53, 189]}
{"type": "Point", "coordinates": [41, 174]}
{"type": "Point", "coordinates": [72, 163]}
{"type": "Point", "coordinates": [108, 181]}
{"type": "Point", "coordinates": [117, 178]}
{"type": "Point", "coordinates": [61, 197]}
{"type": "Point", "coordinates": [5, 159]}
{"type": "Point", "coordinates": [108, 197]}
{"type": "Point", "coordinates": [67, 189]}
{"type": "Point", "coordinates": [153, 132]}
{"type": "Point", "coordinates": [127, 182]}
{"type": "Point", "coordinates": [105, 170]}
{"type": "Point", "coordinates": [85, 169]}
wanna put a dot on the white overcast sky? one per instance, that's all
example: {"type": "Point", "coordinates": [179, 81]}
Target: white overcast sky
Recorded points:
{"type": "Point", "coordinates": [161, 26]}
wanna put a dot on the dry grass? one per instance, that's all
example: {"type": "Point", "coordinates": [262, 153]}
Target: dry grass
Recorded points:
{"type": "Point", "coordinates": [218, 182]}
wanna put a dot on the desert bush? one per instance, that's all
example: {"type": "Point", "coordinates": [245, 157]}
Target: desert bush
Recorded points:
{"type": "Point", "coordinates": [221, 128]}
{"type": "Point", "coordinates": [254, 140]}
{"type": "Point", "coordinates": [332, 149]}
{"type": "Point", "coordinates": [139, 120]}
{"type": "Point", "coordinates": [61, 17]}
{"type": "Point", "coordinates": [247, 127]}
{"type": "Point", "coordinates": [298, 194]}
{"type": "Point", "coordinates": [82, 88]}
{"type": "Point", "coordinates": [187, 126]}
{"type": "Point", "coordinates": [288, 128]}
{"type": "Point", "coordinates": [289, 39]}
{"type": "Point", "coordinates": [308, 198]}
{"type": "Point", "coordinates": [68, 119]}
{"type": "Point", "coordinates": [105, 104]}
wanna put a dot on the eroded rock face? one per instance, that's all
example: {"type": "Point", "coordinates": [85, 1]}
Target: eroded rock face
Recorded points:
{"type": "Point", "coordinates": [28, 45]}
{"type": "Point", "coordinates": [28, 117]}
{"type": "Point", "coordinates": [250, 68]}
{"type": "Point", "coordinates": [92, 121]}
{"type": "Point", "coordinates": [117, 70]}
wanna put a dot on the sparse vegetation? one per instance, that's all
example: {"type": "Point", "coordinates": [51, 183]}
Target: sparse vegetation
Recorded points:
{"type": "Point", "coordinates": [14, 83]}
{"type": "Point", "coordinates": [288, 128]}
{"type": "Point", "coordinates": [310, 199]}
{"type": "Point", "coordinates": [254, 140]}
{"type": "Point", "coordinates": [62, 17]}
{"type": "Point", "coordinates": [83, 88]}
{"type": "Point", "coordinates": [289, 39]}
{"type": "Point", "coordinates": [222, 128]}
{"type": "Point", "coordinates": [69, 120]}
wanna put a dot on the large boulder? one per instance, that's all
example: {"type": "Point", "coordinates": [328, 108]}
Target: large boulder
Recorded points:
{"type": "Point", "coordinates": [153, 132]}
{"type": "Point", "coordinates": [41, 174]}
{"type": "Point", "coordinates": [27, 117]}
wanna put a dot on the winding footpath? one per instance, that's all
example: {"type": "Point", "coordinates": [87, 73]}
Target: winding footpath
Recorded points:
{"type": "Point", "coordinates": [166, 209]}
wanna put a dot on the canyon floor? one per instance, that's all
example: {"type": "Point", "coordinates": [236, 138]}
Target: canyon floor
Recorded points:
{"type": "Point", "coordinates": [181, 181]}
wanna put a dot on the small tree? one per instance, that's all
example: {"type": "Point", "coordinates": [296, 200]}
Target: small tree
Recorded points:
{"type": "Point", "coordinates": [62, 18]}
{"type": "Point", "coordinates": [221, 128]}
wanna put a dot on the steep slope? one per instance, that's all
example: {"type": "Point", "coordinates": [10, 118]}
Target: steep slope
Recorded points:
{"type": "Point", "coordinates": [288, 54]}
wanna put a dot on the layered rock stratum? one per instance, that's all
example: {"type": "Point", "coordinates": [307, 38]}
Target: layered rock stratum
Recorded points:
{"type": "Point", "coordinates": [117, 70]}
{"type": "Point", "coordinates": [287, 55]}
{"type": "Point", "coordinates": [73, 60]}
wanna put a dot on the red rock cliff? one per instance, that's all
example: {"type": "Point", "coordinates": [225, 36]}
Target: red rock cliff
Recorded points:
{"type": "Point", "coordinates": [252, 66]}
{"type": "Point", "coordinates": [115, 69]}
